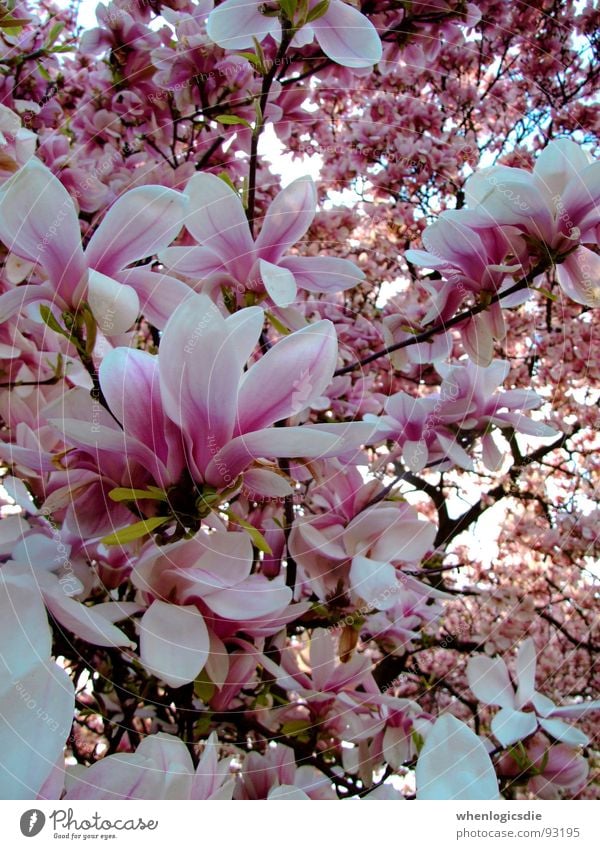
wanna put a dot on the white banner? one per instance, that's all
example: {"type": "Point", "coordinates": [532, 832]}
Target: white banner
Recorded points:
{"type": "Point", "coordinates": [432, 824]}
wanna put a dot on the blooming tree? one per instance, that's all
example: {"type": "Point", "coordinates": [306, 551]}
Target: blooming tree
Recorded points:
{"type": "Point", "coordinates": [299, 400]}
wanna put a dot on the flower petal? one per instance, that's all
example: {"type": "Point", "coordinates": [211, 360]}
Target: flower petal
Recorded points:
{"type": "Point", "coordinates": [114, 305]}
{"type": "Point", "coordinates": [217, 220]}
{"type": "Point", "coordinates": [140, 223]}
{"type": "Point", "coordinates": [509, 726]}
{"type": "Point", "coordinates": [323, 273]}
{"type": "Point", "coordinates": [174, 642]}
{"type": "Point", "coordinates": [287, 219]}
{"type": "Point", "coordinates": [347, 37]}
{"type": "Point", "coordinates": [49, 231]}
{"type": "Point", "coordinates": [279, 283]}
{"type": "Point", "coordinates": [489, 682]}
{"type": "Point", "coordinates": [288, 377]}
{"type": "Point", "coordinates": [454, 764]}
{"type": "Point", "coordinates": [234, 24]}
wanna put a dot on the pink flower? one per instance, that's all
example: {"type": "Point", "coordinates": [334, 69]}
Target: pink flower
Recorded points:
{"type": "Point", "coordinates": [228, 255]}
{"type": "Point", "coordinates": [490, 683]}
{"type": "Point", "coordinates": [39, 223]}
{"type": "Point", "coordinates": [361, 557]}
{"type": "Point", "coordinates": [343, 33]}
{"type": "Point", "coordinates": [556, 205]}
{"type": "Point", "coordinates": [192, 583]}
{"type": "Point", "coordinates": [160, 768]}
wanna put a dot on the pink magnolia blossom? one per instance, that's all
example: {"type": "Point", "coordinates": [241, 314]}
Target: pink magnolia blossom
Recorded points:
{"type": "Point", "coordinates": [191, 584]}
{"type": "Point", "coordinates": [343, 33]}
{"type": "Point", "coordinates": [228, 255]}
{"type": "Point", "coordinates": [224, 414]}
{"type": "Point", "coordinates": [160, 768]}
{"type": "Point", "coordinates": [140, 223]}
{"type": "Point", "coordinates": [490, 682]}
{"type": "Point", "coordinates": [555, 205]}
{"type": "Point", "coordinates": [276, 770]}
{"type": "Point", "coordinates": [440, 427]}
{"type": "Point", "coordinates": [360, 558]}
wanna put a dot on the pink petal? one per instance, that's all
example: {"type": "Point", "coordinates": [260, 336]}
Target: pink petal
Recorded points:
{"type": "Point", "coordinates": [114, 305]}
{"type": "Point", "coordinates": [268, 443]}
{"type": "Point", "coordinates": [38, 222]}
{"type": "Point", "coordinates": [191, 261]}
{"type": "Point", "coordinates": [525, 669]}
{"type": "Point", "coordinates": [288, 377]}
{"type": "Point", "coordinates": [217, 220]}
{"type": "Point", "coordinates": [33, 739]}
{"type": "Point", "coordinates": [140, 223]}
{"type": "Point", "coordinates": [159, 295]}
{"type": "Point", "coordinates": [489, 681]}
{"type": "Point", "coordinates": [255, 598]}
{"type": "Point", "coordinates": [579, 277]}
{"type": "Point", "coordinates": [509, 726]}
{"type": "Point", "coordinates": [454, 764]}
{"type": "Point", "coordinates": [347, 37]}
{"type": "Point", "coordinates": [288, 218]}
{"type": "Point", "coordinates": [279, 283]}
{"type": "Point", "coordinates": [234, 23]}
{"type": "Point", "coordinates": [322, 657]}
{"type": "Point", "coordinates": [202, 401]}
{"type": "Point", "coordinates": [323, 273]}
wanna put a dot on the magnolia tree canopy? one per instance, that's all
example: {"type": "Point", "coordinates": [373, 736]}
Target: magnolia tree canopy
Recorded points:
{"type": "Point", "coordinates": [299, 400]}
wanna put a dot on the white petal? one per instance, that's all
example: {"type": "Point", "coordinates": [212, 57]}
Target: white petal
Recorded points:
{"type": "Point", "coordinates": [174, 642]}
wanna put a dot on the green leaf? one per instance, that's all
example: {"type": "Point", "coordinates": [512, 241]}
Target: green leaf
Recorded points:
{"type": "Point", "coordinates": [135, 531]}
{"type": "Point", "coordinates": [232, 119]}
{"type": "Point", "coordinates": [43, 72]}
{"type": "Point", "coordinates": [204, 688]}
{"type": "Point", "coordinates": [49, 319]}
{"type": "Point", "coordinates": [251, 57]}
{"type": "Point", "coordinates": [279, 327]}
{"type": "Point", "coordinates": [546, 293]}
{"type": "Point", "coordinates": [288, 7]}
{"type": "Point", "coordinates": [257, 538]}
{"type": "Point", "coordinates": [317, 11]}
{"type": "Point", "coordinates": [227, 179]}
{"type": "Point", "coordinates": [121, 493]}
{"type": "Point", "coordinates": [296, 728]}
{"type": "Point", "coordinates": [54, 33]}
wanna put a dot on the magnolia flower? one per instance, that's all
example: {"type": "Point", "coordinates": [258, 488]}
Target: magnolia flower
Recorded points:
{"type": "Point", "coordinates": [225, 414]}
{"type": "Point", "coordinates": [39, 223]}
{"type": "Point", "coordinates": [209, 573]}
{"type": "Point", "coordinates": [160, 768]}
{"type": "Point", "coordinates": [343, 33]}
{"type": "Point", "coordinates": [362, 555]}
{"type": "Point", "coordinates": [229, 255]}
{"type": "Point", "coordinates": [37, 697]}
{"type": "Point", "coordinates": [37, 554]}
{"type": "Point", "coordinates": [490, 682]}
{"type": "Point", "coordinates": [557, 205]}
{"type": "Point", "coordinates": [435, 429]}
{"type": "Point", "coordinates": [454, 764]}
{"type": "Point", "coordinates": [275, 775]}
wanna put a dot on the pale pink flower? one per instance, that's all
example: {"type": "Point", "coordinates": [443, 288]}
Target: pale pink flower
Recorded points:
{"type": "Point", "coordinates": [343, 33]}
{"type": "Point", "coordinates": [228, 255]}
{"type": "Point", "coordinates": [490, 682]}
{"type": "Point", "coordinates": [39, 223]}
